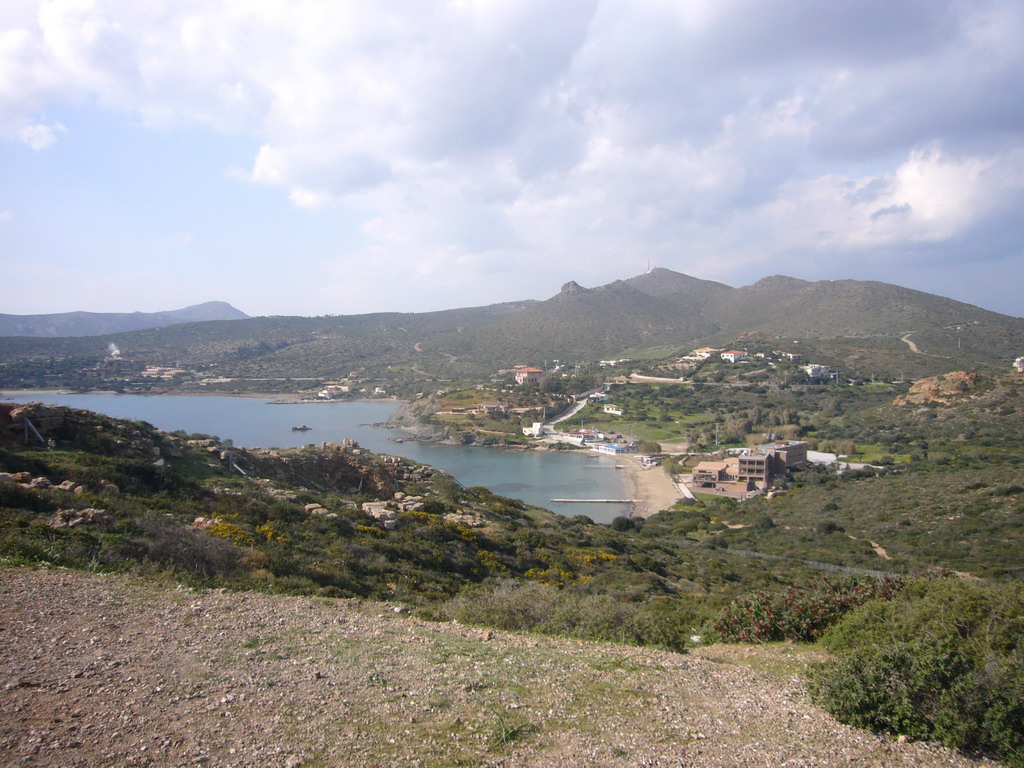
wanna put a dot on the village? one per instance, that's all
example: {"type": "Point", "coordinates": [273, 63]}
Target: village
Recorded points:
{"type": "Point", "coordinates": [543, 408]}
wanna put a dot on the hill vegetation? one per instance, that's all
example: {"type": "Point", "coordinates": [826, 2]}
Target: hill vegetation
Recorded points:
{"type": "Point", "coordinates": [336, 521]}
{"type": "Point", "coordinates": [919, 536]}
{"type": "Point", "coordinates": [866, 327]}
{"type": "Point", "coordinates": [104, 323]}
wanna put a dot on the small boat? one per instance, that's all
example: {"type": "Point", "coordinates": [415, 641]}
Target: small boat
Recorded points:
{"type": "Point", "coordinates": [303, 428]}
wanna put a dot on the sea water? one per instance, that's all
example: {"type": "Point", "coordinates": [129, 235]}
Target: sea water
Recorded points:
{"type": "Point", "coordinates": [536, 477]}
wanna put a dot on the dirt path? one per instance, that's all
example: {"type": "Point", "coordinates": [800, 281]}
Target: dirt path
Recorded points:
{"type": "Point", "coordinates": [913, 347]}
{"type": "Point", "coordinates": [880, 551]}
{"type": "Point", "coordinates": [637, 378]}
{"type": "Point", "coordinates": [108, 670]}
{"type": "Point", "coordinates": [418, 347]}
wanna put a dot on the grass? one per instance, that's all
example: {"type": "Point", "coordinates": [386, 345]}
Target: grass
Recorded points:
{"type": "Point", "coordinates": [508, 728]}
{"type": "Point", "coordinates": [779, 661]}
{"type": "Point", "coordinates": [872, 453]}
{"type": "Point", "coordinates": [624, 663]}
{"type": "Point", "coordinates": [707, 497]}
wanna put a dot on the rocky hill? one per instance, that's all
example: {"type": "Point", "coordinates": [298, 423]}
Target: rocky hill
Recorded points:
{"type": "Point", "coordinates": [109, 670]}
{"type": "Point", "coordinates": [102, 323]}
{"type": "Point", "coordinates": [868, 327]}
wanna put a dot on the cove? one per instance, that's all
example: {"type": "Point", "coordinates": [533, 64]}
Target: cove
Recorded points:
{"type": "Point", "coordinates": [536, 477]}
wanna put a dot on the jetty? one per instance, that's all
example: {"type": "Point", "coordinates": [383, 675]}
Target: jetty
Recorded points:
{"type": "Point", "coordinates": [595, 501]}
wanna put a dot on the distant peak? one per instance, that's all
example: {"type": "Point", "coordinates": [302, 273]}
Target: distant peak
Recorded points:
{"type": "Point", "coordinates": [572, 288]}
{"type": "Point", "coordinates": [779, 281]}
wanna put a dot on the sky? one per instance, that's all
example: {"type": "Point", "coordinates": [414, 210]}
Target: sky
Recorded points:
{"type": "Point", "coordinates": [314, 157]}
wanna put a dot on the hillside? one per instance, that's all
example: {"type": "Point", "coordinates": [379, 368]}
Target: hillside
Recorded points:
{"type": "Point", "coordinates": [580, 323]}
{"type": "Point", "coordinates": [195, 641]}
{"type": "Point", "coordinates": [867, 328]}
{"type": "Point", "coordinates": [110, 670]}
{"type": "Point", "coordinates": [103, 323]}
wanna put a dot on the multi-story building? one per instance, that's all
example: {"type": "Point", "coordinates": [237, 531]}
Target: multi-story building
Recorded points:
{"type": "Point", "coordinates": [755, 469]}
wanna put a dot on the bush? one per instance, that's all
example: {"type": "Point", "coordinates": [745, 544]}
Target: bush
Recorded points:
{"type": "Point", "coordinates": [183, 549]}
{"type": "Point", "coordinates": [944, 661]}
{"type": "Point", "coordinates": [801, 613]}
{"type": "Point", "coordinates": [546, 609]}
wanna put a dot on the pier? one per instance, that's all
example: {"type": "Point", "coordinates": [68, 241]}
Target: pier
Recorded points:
{"type": "Point", "coordinates": [594, 501]}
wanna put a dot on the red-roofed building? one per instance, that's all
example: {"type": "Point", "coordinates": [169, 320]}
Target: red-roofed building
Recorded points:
{"type": "Point", "coordinates": [528, 375]}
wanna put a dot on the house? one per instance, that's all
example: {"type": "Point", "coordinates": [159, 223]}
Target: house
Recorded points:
{"type": "Point", "coordinates": [599, 397]}
{"type": "Point", "coordinates": [794, 357]}
{"type": "Point", "coordinates": [612, 409]}
{"type": "Point", "coordinates": [527, 375]}
{"type": "Point", "coordinates": [1018, 365]}
{"type": "Point", "coordinates": [734, 355]}
{"type": "Point", "coordinates": [816, 371]}
{"type": "Point", "coordinates": [332, 391]}
{"type": "Point", "coordinates": [539, 429]}
{"type": "Point", "coordinates": [159, 372]}
{"type": "Point", "coordinates": [703, 353]}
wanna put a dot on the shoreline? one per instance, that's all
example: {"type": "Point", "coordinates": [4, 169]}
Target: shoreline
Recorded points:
{"type": "Point", "coordinates": [651, 489]}
{"type": "Point", "coordinates": [277, 398]}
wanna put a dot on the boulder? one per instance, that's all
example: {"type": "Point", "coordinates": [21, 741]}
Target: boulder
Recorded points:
{"type": "Point", "coordinates": [70, 518]}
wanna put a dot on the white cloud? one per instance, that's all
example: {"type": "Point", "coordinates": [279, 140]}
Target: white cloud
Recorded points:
{"type": "Point", "coordinates": [470, 136]}
{"type": "Point", "coordinates": [931, 197]}
{"type": "Point", "coordinates": [40, 136]}
{"type": "Point", "coordinates": [6, 216]}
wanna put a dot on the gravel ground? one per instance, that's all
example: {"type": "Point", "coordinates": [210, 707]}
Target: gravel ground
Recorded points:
{"type": "Point", "coordinates": [103, 670]}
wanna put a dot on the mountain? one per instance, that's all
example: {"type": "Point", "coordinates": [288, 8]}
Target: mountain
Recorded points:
{"type": "Point", "coordinates": [861, 326]}
{"type": "Point", "coordinates": [678, 288]}
{"type": "Point", "coordinates": [831, 308]}
{"type": "Point", "coordinates": [65, 324]}
{"type": "Point", "coordinates": [581, 323]}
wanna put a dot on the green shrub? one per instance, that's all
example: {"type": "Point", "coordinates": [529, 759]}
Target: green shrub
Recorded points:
{"type": "Point", "coordinates": [944, 661]}
{"type": "Point", "coordinates": [546, 609]}
{"type": "Point", "coordinates": [800, 613]}
{"type": "Point", "coordinates": [185, 550]}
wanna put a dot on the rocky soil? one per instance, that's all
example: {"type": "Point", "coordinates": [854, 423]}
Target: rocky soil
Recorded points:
{"type": "Point", "coordinates": [939, 389]}
{"type": "Point", "coordinates": [407, 417]}
{"type": "Point", "coordinates": [103, 670]}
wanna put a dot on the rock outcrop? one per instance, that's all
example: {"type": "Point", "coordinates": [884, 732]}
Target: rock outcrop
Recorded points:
{"type": "Point", "coordinates": [940, 389]}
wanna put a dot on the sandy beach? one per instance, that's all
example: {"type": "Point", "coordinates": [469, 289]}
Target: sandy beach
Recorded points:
{"type": "Point", "coordinates": [652, 489]}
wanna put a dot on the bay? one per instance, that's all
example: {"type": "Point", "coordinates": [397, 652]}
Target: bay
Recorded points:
{"type": "Point", "coordinates": [536, 477]}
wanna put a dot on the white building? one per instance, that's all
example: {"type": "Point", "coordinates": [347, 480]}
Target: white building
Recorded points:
{"type": "Point", "coordinates": [331, 391]}
{"type": "Point", "coordinates": [816, 371]}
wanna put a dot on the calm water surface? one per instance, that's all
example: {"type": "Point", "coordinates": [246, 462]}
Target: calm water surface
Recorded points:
{"type": "Point", "coordinates": [533, 476]}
